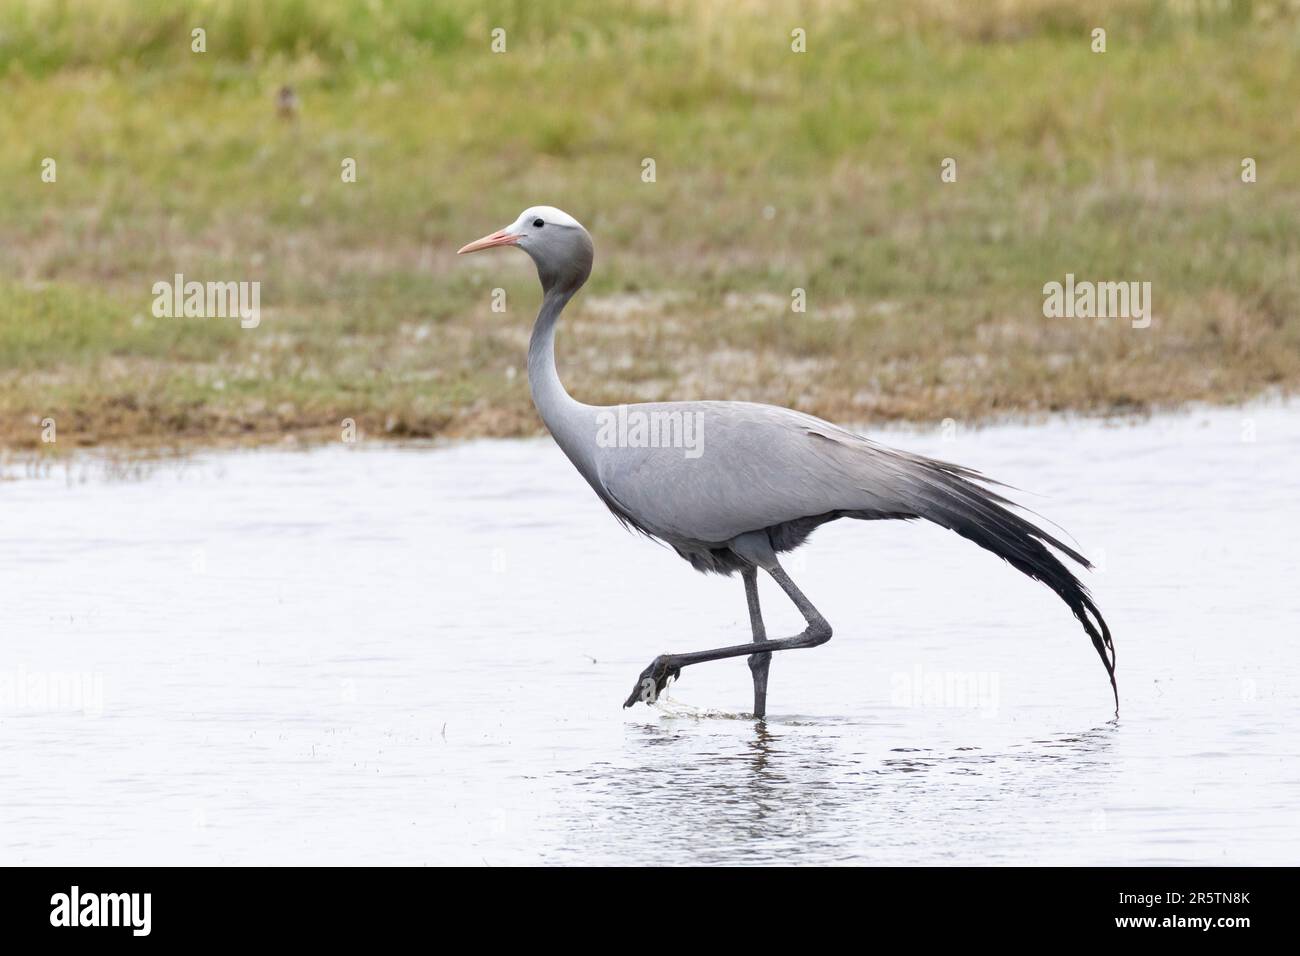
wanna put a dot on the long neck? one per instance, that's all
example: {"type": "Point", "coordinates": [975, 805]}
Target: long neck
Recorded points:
{"type": "Point", "coordinates": [569, 421]}
{"type": "Point", "coordinates": [543, 379]}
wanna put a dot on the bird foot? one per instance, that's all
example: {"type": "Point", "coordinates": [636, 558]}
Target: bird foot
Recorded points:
{"type": "Point", "coordinates": [653, 680]}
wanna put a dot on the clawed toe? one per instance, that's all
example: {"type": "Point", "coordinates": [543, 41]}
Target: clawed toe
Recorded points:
{"type": "Point", "coordinates": [653, 680]}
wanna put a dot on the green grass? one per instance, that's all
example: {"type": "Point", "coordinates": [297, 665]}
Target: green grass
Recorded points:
{"type": "Point", "coordinates": [924, 299]}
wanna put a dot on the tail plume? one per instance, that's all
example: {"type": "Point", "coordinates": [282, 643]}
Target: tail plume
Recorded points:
{"type": "Point", "coordinates": [957, 499]}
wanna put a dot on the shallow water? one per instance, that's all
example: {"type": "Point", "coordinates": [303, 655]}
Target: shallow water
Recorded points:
{"type": "Point", "coordinates": [369, 654]}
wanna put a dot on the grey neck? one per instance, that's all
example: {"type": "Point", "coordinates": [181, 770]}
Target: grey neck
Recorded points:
{"type": "Point", "coordinates": [569, 421]}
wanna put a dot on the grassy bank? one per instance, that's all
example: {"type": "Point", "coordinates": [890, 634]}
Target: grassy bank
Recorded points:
{"type": "Point", "coordinates": [774, 170]}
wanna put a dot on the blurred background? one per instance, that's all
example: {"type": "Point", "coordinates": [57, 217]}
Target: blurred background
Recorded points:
{"type": "Point", "coordinates": [774, 170]}
{"type": "Point", "coordinates": [418, 655]}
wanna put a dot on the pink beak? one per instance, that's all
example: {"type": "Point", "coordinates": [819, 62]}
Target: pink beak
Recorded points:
{"type": "Point", "coordinates": [499, 238]}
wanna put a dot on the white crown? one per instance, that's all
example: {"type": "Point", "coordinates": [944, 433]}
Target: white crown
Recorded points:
{"type": "Point", "coordinates": [548, 214]}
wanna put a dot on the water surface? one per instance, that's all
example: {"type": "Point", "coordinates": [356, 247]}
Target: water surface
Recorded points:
{"type": "Point", "coordinates": [367, 654]}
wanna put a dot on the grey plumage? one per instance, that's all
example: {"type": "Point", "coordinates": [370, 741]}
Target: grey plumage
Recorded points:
{"type": "Point", "coordinates": [758, 479]}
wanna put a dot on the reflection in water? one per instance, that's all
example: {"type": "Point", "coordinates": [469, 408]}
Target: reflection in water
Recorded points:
{"type": "Point", "coordinates": [379, 655]}
{"type": "Point", "coordinates": [798, 793]}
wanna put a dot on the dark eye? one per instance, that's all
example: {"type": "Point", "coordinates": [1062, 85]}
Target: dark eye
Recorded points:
{"type": "Point", "coordinates": [537, 223]}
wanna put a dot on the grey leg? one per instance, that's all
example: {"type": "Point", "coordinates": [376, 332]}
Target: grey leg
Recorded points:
{"type": "Point", "coordinates": [818, 632]}
{"type": "Point", "coordinates": [758, 663]}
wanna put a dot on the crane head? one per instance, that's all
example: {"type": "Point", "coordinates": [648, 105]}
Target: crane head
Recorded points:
{"type": "Point", "coordinates": [554, 240]}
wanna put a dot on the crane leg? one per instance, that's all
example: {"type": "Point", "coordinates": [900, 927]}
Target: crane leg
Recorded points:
{"type": "Point", "coordinates": [758, 663]}
{"type": "Point", "coordinates": [655, 677]}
